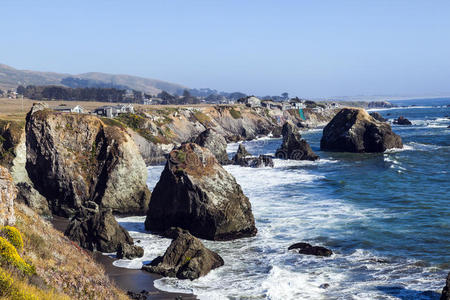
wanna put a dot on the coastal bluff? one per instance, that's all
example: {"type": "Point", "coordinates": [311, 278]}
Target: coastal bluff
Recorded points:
{"type": "Point", "coordinates": [76, 158]}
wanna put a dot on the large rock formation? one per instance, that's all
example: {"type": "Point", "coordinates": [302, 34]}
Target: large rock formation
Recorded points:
{"type": "Point", "coordinates": [196, 193]}
{"type": "Point", "coordinates": [215, 143]}
{"type": "Point", "coordinates": [96, 229]}
{"type": "Point", "coordinates": [244, 159]}
{"type": "Point", "coordinates": [75, 158]}
{"type": "Point", "coordinates": [293, 146]}
{"type": "Point", "coordinates": [446, 291]}
{"type": "Point", "coordinates": [129, 251]}
{"type": "Point", "coordinates": [354, 130]}
{"type": "Point", "coordinates": [8, 194]}
{"type": "Point", "coordinates": [186, 258]}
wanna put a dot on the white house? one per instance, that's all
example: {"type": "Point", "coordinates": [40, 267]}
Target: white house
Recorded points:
{"type": "Point", "coordinates": [69, 109]}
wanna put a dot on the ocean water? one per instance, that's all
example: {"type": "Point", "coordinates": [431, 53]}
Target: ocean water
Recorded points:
{"type": "Point", "coordinates": [386, 217]}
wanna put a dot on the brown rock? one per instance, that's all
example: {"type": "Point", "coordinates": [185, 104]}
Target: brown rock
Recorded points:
{"type": "Point", "coordinates": [186, 258]}
{"type": "Point", "coordinates": [8, 194]}
{"type": "Point", "coordinates": [196, 193]}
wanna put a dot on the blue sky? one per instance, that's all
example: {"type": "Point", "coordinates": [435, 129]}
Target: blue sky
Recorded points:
{"type": "Point", "coordinates": [307, 48]}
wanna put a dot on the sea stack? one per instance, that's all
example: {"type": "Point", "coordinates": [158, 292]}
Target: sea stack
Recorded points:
{"type": "Point", "coordinates": [354, 130]}
{"type": "Point", "coordinates": [293, 146]}
{"type": "Point", "coordinates": [196, 193]}
{"type": "Point", "coordinates": [215, 143]}
{"type": "Point", "coordinates": [76, 158]}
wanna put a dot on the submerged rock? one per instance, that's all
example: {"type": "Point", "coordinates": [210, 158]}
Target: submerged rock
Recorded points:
{"type": "Point", "coordinates": [354, 130]}
{"type": "Point", "coordinates": [75, 158]}
{"type": "Point", "coordinates": [305, 248]}
{"type": "Point", "coordinates": [215, 143]}
{"type": "Point", "coordinates": [402, 121]}
{"type": "Point", "coordinates": [293, 146]}
{"type": "Point", "coordinates": [377, 116]}
{"type": "Point", "coordinates": [196, 193]}
{"type": "Point", "coordinates": [8, 193]}
{"type": "Point", "coordinates": [129, 251]}
{"type": "Point", "coordinates": [186, 258]}
{"type": "Point", "coordinates": [446, 291]}
{"type": "Point", "coordinates": [96, 229]}
{"type": "Point", "coordinates": [244, 159]}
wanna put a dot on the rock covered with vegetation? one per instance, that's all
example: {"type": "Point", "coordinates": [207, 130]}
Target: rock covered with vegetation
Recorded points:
{"type": "Point", "coordinates": [186, 258]}
{"type": "Point", "coordinates": [75, 158]}
{"type": "Point", "coordinates": [354, 130]}
{"type": "Point", "coordinates": [215, 143]}
{"type": "Point", "coordinates": [294, 146]}
{"type": "Point", "coordinates": [96, 229]}
{"type": "Point", "coordinates": [8, 193]}
{"type": "Point", "coordinates": [196, 193]}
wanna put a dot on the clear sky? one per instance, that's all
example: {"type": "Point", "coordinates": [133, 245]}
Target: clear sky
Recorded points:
{"type": "Point", "coordinates": [308, 48]}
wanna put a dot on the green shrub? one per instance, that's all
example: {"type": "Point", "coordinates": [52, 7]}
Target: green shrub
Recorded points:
{"type": "Point", "coordinates": [13, 235]}
{"type": "Point", "coordinates": [235, 113]}
{"type": "Point", "coordinates": [9, 256]}
{"type": "Point", "coordinates": [6, 282]}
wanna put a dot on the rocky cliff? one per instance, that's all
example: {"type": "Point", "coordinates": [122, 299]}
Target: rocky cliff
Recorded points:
{"type": "Point", "coordinates": [158, 129]}
{"type": "Point", "coordinates": [73, 159]}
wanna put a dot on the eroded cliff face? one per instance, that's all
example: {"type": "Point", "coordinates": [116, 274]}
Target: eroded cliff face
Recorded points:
{"type": "Point", "coordinates": [8, 193]}
{"type": "Point", "coordinates": [158, 130]}
{"type": "Point", "coordinates": [74, 158]}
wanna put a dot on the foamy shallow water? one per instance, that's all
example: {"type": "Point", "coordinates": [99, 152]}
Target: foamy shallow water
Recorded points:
{"type": "Point", "coordinates": [376, 212]}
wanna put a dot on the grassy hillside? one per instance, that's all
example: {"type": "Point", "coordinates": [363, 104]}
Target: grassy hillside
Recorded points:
{"type": "Point", "coordinates": [10, 78]}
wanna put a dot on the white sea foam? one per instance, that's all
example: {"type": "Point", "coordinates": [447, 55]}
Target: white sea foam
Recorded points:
{"type": "Point", "coordinates": [261, 267]}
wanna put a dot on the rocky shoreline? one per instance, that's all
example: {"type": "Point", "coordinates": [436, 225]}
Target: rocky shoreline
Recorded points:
{"type": "Point", "coordinates": [85, 168]}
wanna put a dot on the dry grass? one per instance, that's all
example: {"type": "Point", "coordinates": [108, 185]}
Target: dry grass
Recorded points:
{"type": "Point", "coordinates": [63, 265]}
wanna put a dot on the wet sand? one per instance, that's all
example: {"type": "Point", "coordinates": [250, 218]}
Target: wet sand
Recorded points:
{"type": "Point", "coordinates": [127, 279]}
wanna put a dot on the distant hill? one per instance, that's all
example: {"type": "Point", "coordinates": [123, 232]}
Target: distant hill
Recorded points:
{"type": "Point", "coordinates": [11, 78]}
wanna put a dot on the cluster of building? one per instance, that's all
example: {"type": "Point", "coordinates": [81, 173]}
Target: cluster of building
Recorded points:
{"type": "Point", "coordinates": [294, 103]}
{"type": "Point", "coordinates": [10, 94]}
{"type": "Point", "coordinates": [109, 111]}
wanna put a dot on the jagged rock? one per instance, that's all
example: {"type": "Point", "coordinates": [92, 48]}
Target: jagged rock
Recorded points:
{"type": "Point", "coordinates": [446, 291]}
{"type": "Point", "coordinates": [240, 156]}
{"type": "Point", "coordinates": [129, 251]}
{"type": "Point", "coordinates": [244, 159]}
{"type": "Point", "coordinates": [354, 130]}
{"type": "Point", "coordinates": [10, 135]}
{"type": "Point", "coordinates": [293, 146]}
{"type": "Point", "coordinates": [8, 194]}
{"type": "Point", "coordinates": [196, 193]}
{"type": "Point", "coordinates": [75, 158]}
{"type": "Point", "coordinates": [97, 229]}
{"type": "Point", "coordinates": [215, 143]}
{"type": "Point", "coordinates": [402, 121]}
{"type": "Point", "coordinates": [308, 249]}
{"type": "Point", "coordinates": [28, 195]}
{"type": "Point", "coordinates": [138, 296]}
{"type": "Point", "coordinates": [377, 116]}
{"type": "Point", "coordinates": [186, 258]}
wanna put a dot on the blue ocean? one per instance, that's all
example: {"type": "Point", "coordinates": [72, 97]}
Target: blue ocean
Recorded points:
{"type": "Point", "coordinates": [385, 216]}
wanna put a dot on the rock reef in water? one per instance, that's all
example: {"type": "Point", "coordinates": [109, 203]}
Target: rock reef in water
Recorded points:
{"type": "Point", "coordinates": [293, 146]}
{"type": "Point", "coordinates": [308, 249]}
{"type": "Point", "coordinates": [244, 159]}
{"type": "Point", "coordinates": [186, 258]}
{"type": "Point", "coordinates": [402, 121]}
{"type": "Point", "coordinates": [354, 130]}
{"type": "Point", "coordinates": [73, 159]}
{"type": "Point", "coordinates": [196, 193]}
